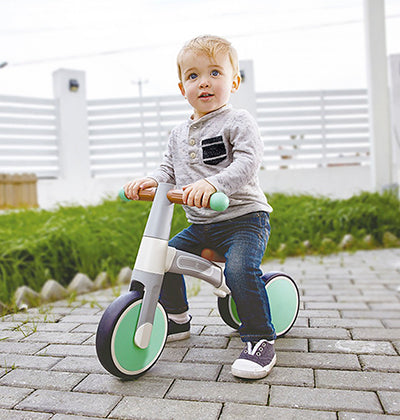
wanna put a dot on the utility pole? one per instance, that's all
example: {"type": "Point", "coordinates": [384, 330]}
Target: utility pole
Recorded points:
{"type": "Point", "coordinates": [140, 84]}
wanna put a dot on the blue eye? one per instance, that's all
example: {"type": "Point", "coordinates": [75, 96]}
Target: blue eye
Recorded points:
{"type": "Point", "coordinates": [215, 73]}
{"type": "Point", "coordinates": [192, 76]}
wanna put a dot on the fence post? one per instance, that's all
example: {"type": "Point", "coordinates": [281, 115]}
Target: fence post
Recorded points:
{"type": "Point", "coordinates": [73, 136]}
{"type": "Point", "coordinates": [394, 83]}
{"type": "Point", "coordinates": [245, 97]}
{"type": "Point", "coordinates": [378, 95]}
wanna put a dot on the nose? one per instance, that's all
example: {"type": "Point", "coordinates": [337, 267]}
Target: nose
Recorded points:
{"type": "Point", "coordinates": [204, 82]}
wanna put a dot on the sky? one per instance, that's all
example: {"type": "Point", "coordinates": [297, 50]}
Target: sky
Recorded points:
{"type": "Point", "coordinates": [295, 45]}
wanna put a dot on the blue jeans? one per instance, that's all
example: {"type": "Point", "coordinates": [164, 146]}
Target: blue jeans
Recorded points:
{"type": "Point", "coordinates": [242, 241]}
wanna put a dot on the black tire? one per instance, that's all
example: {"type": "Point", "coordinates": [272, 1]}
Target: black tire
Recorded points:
{"type": "Point", "coordinates": [115, 347]}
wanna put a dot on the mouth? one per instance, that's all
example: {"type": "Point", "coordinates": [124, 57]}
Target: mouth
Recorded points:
{"type": "Point", "coordinates": [206, 95]}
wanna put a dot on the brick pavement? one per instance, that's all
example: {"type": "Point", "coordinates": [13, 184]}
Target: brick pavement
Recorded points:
{"type": "Point", "coordinates": [340, 361]}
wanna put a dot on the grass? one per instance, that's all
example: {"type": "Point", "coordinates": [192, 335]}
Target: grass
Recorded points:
{"type": "Point", "coordinates": [36, 245]}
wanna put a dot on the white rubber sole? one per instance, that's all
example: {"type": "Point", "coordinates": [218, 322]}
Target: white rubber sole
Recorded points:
{"type": "Point", "coordinates": [179, 336]}
{"type": "Point", "coordinates": [247, 369]}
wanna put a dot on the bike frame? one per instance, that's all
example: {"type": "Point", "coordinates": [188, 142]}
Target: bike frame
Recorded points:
{"type": "Point", "coordinates": [155, 258]}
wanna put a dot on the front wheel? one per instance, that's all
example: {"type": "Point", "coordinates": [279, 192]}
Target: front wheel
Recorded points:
{"type": "Point", "coordinates": [115, 345]}
{"type": "Point", "coordinates": [284, 302]}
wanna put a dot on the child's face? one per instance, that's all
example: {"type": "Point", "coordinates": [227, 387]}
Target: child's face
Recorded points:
{"type": "Point", "coordinates": [207, 82]}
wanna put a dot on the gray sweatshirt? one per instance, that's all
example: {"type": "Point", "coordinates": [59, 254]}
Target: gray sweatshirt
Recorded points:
{"type": "Point", "coordinates": [225, 148]}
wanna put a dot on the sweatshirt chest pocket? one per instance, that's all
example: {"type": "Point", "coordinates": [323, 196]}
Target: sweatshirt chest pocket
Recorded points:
{"type": "Point", "coordinates": [214, 150]}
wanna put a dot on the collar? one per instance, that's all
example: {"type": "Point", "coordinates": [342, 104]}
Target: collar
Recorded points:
{"type": "Point", "coordinates": [224, 108]}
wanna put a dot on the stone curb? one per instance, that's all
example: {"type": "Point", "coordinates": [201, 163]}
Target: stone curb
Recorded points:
{"type": "Point", "coordinates": [52, 291]}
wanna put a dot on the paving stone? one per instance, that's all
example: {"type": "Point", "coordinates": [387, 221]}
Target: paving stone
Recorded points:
{"type": "Point", "coordinates": [318, 314]}
{"type": "Point", "coordinates": [176, 370]}
{"type": "Point", "coordinates": [67, 350]}
{"type": "Point", "coordinates": [345, 323]}
{"type": "Point", "coordinates": [141, 387]}
{"type": "Point", "coordinates": [22, 361]}
{"type": "Point", "coordinates": [58, 337]}
{"type": "Point", "coordinates": [202, 320]}
{"type": "Point", "coordinates": [371, 314]}
{"type": "Point", "coordinates": [318, 360]}
{"type": "Point", "coordinates": [40, 379]}
{"type": "Point", "coordinates": [79, 364]}
{"type": "Point", "coordinates": [23, 415]}
{"type": "Point", "coordinates": [366, 416]}
{"type": "Point", "coordinates": [337, 305]}
{"type": "Point", "coordinates": [391, 323]}
{"type": "Point", "coordinates": [69, 403]}
{"type": "Point", "coordinates": [368, 381]}
{"type": "Point", "coordinates": [56, 327]}
{"type": "Point", "coordinates": [219, 356]}
{"type": "Point", "coordinates": [390, 401]}
{"type": "Point", "coordinates": [162, 409]}
{"type": "Point", "coordinates": [20, 348]}
{"type": "Point", "coordinates": [317, 298]}
{"type": "Point", "coordinates": [173, 354]}
{"type": "Point", "coordinates": [201, 341]}
{"type": "Point", "coordinates": [338, 333]}
{"type": "Point", "coordinates": [77, 319]}
{"type": "Point", "coordinates": [233, 411]}
{"type": "Point", "coordinates": [84, 328]}
{"type": "Point", "coordinates": [12, 335]}
{"type": "Point", "coordinates": [219, 330]}
{"type": "Point", "coordinates": [324, 399]}
{"type": "Point", "coordinates": [72, 417]}
{"type": "Point", "coordinates": [349, 346]}
{"type": "Point", "coordinates": [10, 396]}
{"type": "Point", "coordinates": [384, 305]}
{"type": "Point", "coordinates": [278, 376]}
{"type": "Point", "coordinates": [219, 392]}
{"type": "Point", "coordinates": [380, 363]}
{"type": "Point", "coordinates": [388, 334]}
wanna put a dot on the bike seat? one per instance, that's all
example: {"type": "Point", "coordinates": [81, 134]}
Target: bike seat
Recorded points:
{"type": "Point", "coordinates": [211, 255]}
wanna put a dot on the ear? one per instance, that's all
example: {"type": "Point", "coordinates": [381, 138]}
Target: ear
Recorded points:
{"type": "Point", "coordinates": [182, 89]}
{"type": "Point", "coordinates": [235, 83]}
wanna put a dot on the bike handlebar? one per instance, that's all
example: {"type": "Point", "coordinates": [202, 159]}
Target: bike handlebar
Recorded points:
{"type": "Point", "coordinates": [218, 201]}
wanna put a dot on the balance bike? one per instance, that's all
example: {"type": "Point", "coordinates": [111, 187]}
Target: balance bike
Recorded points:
{"type": "Point", "coordinates": [133, 329]}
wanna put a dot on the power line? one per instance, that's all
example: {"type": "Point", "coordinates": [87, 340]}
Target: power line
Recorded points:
{"type": "Point", "coordinates": [156, 46]}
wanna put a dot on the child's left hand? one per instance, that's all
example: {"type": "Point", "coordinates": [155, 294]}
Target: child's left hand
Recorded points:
{"type": "Point", "coordinates": [198, 194]}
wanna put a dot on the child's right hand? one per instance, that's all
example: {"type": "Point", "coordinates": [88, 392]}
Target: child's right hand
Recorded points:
{"type": "Point", "coordinates": [132, 188]}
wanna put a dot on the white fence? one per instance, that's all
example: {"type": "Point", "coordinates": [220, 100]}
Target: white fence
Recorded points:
{"type": "Point", "coordinates": [314, 129]}
{"type": "Point", "coordinates": [128, 136]}
{"type": "Point", "coordinates": [81, 149]}
{"type": "Point", "coordinates": [28, 136]}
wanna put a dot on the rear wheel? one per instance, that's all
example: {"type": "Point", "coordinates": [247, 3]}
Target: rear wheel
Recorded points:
{"type": "Point", "coordinates": [115, 345]}
{"type": "Point", "coordinates": [284, 302]}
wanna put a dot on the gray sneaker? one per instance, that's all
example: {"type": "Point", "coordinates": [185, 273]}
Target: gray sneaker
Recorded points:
{"type": "Point", "coordinates": [256, 360]}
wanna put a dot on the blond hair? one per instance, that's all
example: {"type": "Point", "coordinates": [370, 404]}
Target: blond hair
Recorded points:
{"type": "Point", "coordinates": [210, 46]}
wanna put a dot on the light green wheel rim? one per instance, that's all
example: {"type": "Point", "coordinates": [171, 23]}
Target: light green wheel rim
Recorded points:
{"type": "Point", "coordinates": [283, 302]}
{"type": "Point", "coordinates": [129, 358]}
{"type": "Point", "coordinates": [233, 311]}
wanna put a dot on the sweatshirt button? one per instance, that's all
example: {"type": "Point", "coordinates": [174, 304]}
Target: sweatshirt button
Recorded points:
{"type": "Point", "coordinates": [192, 155]}
{"type": "Point", "coordinates": [192, 142]}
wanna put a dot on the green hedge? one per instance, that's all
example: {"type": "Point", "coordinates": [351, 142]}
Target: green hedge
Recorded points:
{"type": "Point", "coordinates": [36, 245]}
